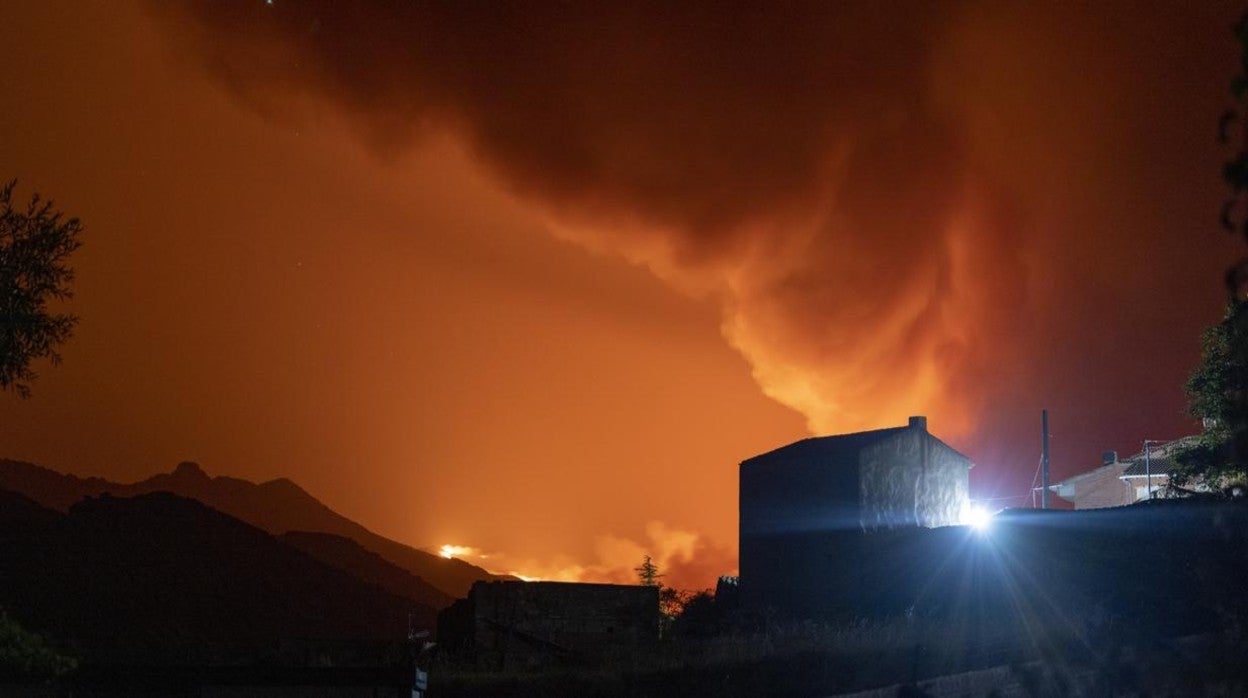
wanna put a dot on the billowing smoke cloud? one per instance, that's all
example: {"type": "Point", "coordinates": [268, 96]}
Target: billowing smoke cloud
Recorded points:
{"type": "Point", "coordinates": [890, 202]}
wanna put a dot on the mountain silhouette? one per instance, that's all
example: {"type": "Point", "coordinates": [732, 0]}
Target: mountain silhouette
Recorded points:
{"type": "Point", "coordinates": [19, 513]}
{"type": "Point", "coordinates": [277, 506]}
{"type": "Point", "coordinates": [365, 565]}
{"type": "Point", "coordinates": [162, 579]}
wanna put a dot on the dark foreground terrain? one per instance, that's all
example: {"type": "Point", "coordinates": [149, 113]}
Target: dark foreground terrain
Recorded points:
{"type": "Point", "coordinates": [1144, 600]}
{"type": "Point", "coordinates": [165, 581]}
{"type": "Point", "coordinates": [158, 595]}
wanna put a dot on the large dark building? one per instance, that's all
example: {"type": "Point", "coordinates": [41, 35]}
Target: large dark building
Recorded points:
{"type": "Point", "coordinates": [801, 505]}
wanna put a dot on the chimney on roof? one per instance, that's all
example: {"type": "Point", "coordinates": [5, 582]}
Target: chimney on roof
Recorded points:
{"type": "Point", "coordinates": [919, 423]}
{"type": "Point", "coordinates": [1109, 457]}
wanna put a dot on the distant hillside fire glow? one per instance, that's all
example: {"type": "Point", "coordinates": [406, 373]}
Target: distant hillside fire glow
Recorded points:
{"type": "Point", "coordinates": [449, 551]}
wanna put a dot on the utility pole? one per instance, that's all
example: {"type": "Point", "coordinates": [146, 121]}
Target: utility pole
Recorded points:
{"type": "Point", "coordinates": [1148, 466]}
{"type": "Point", "coordinates": [1044, 459]}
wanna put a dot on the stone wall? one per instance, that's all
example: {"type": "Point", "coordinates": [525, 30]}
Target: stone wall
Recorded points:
{"type": "Point", "coordinates": [1160, 568]}
{"type": "Point", "coordinates": [518, 625]}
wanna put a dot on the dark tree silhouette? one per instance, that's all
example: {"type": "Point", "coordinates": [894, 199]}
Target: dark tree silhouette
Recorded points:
{"type": "Point", "coordinates": [1233, 131]}
{"type": "Point", "coordinates": [648, 573]}
{"type": "Point", "coordinates": [1216, 391]}
{"type": "Point", "coordinates": [35, 245]}
{"type": "Point", "coordinates": [699, 615]}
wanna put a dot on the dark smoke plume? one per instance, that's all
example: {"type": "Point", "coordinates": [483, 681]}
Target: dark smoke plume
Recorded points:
{"type": "Point", "coordinates": [902, 208]}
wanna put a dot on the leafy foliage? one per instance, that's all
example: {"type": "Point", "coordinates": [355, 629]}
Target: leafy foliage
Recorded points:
{"type": "Point", "coordinates": [1217, 381]}
{"type": "Point", "coordinates": [25, 656]}
{"type": "Point", "coordinates": [1218, 395]}
{"type": "Point", "coordinates": [1218, 388]}
{"type": "Point", "coordinates": [35, 245]}
{"type": "Point", "coordinates": [698, 615]}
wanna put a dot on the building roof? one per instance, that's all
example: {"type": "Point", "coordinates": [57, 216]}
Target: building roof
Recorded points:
{"type": "Point", "coordinates": [1155, 466]}
{"type": "Point", "coordinates": [1161, 460]}
{"type": "Point", "coordinates": [844, 446]}
{"type": "Point", "coordinates": [1066, 488]}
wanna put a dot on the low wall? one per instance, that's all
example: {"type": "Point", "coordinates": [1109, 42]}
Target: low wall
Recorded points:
{"type": "Point", "coordinates": [1167, 567]}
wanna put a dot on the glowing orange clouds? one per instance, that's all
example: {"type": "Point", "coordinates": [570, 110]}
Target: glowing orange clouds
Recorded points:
{"type": "Point", "coordinates": [804, 166]}
{"type": "Point", "coordinates": [946, 208]}
{"type": "Point", "coordinates": [320, 246]}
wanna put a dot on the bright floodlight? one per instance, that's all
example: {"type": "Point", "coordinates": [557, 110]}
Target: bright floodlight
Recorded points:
{"type": "Point", "coordinates": [977, 518]}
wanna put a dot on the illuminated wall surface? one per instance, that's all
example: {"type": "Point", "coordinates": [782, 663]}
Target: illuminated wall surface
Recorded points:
{"type": "Point", "coordinates": [838, 486]}
{"type": "Point", "coordinates": [902, 476]}
{"type": "Point", "coordinates": [911, 478]}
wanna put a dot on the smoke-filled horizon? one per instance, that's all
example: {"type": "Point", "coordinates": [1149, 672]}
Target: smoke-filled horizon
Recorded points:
{"type": "Point", "coordinates": [962, 209]}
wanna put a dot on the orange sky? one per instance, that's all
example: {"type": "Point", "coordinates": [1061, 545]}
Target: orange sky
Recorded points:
{"type": "Point", "coordinates": [535, 282]}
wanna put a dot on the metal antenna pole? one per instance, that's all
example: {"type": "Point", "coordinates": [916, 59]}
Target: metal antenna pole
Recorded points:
{"type": "Point", "coordinates": [1044, 461]}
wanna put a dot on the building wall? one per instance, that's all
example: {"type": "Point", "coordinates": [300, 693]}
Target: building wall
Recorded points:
{"type": "Point", "coordinates": [811, 493]}
{"type": "Point", "coordinates": [1102, 488]}
{"type": "Point", "coordinates": [912, 479]}
{"type": "Point", "coordinates": [1105, 487]}
{"type": "Point", "coordinates": [784, 503]}
{"type": "Point", "coordinates": [528, 624]}
{"type": "Point", "coordinates": [802, 506]}
{"type": "Point", "coordinates": [1137, 487]}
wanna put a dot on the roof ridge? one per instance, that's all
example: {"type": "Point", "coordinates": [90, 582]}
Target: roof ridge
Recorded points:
{"type": "Point", "coordinates": [865, 436]}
